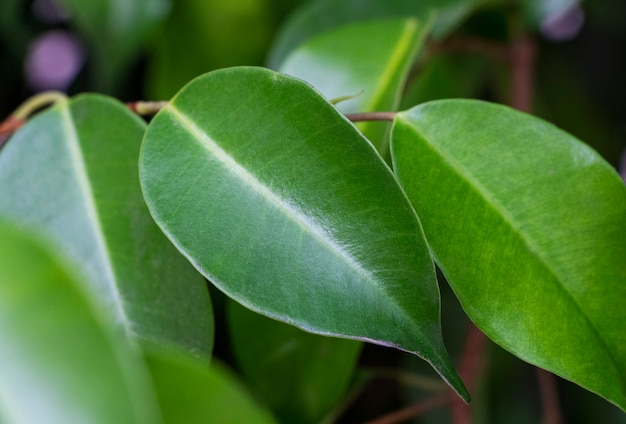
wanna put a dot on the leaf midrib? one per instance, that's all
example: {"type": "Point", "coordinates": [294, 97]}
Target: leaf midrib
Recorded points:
{"type": "Point", "coordinates": [295, 215]}
{"type": "Point", "coordinates": [533, 248]}
{"type": "Point", "coordinates": [82, 179]}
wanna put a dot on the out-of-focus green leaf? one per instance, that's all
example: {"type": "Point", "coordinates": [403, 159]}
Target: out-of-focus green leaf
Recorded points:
{"type": "Point", "coordinates": [372, 58]}
{"type": "Point", "coordinates": [71, 173]}
{"type": "Point", "coordinates": [445, 77]}
{"type": "Point", "coordinates": [318, 16]}
{"type": "Point", "coordinates": [300, 375]}
{"type": "Point", "coordinates": [115, 30]}
{"type": "Point", "coordinates": [529, 226]}
{"type": "Point", "coordinates": [203, 35]}
{"type": "Point", "coordinates": [283, 205]}
{"type": "Point", "coordinates": [192, 392]}
{"type": "Point", "coordinates": [59, 361]}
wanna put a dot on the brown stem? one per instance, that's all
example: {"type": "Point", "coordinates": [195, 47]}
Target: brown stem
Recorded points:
{"type": "Point", "coordinates": [413, 411]}
{"type": "Point", "coordinates": [146, 108]}
{"type": "Point", "coordinates": [549, 397]}
{"type": "Point", "coordinates": [470, 369]}
{"type": "Point", "coordinates": [522, 62]}
{"type": "Point", "coordinates": [371, 116]}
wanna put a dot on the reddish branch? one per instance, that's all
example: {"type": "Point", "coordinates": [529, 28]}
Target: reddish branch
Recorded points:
{"type": "Point", "coordinates": [8, 127]}
{"type": "Point", "coordinates": [412, 411]}
{"type": "Point", "coordinates": [471, 365]}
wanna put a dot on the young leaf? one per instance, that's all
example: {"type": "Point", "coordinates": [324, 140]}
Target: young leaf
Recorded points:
{"type": "Point", "coordinates": [278, 200]}
{"type": "Point", "coordinates": [372, 58]}
{"type": "Point", "coordinates": [192, 392]}
{"type": "Point", "coordinates": [529, 226]}
{"type": "Point", "coordinates": [318, 16]}
{"type": "Point", "coordinates": [276, 358]}
{"type": "Point", "coordinates": [59, 361]}
{"type": "Point", "coordinates": [71, 174]}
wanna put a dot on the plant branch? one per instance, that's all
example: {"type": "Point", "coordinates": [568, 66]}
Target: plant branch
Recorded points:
{"type": "Point", "coordinates": [549, 397]}
{"type": "Point", "coordinates": [146, 108]}
{"type": "Point", "coordinates": [371, 116]}
{"type": "Point", "coordinates": [522, 63]}
{"type": "Point", "coordinates": [414, 410]}
{"type": "Point", "coordinates": [470, 368]}
{"type": "Point", "coordinates": [18, 118]}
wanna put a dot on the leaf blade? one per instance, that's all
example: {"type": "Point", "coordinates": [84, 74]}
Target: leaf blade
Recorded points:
{"type": "Point", "coordinates": [257, 196]}
{"type": "Point", "coordinates": [55, 344]}
{"type": "Point", "coordinates": [523, 249]}
{"type": "Point", "coordinates": [65, 176]}
{"type": "Point", "coordinates": [372, 58]}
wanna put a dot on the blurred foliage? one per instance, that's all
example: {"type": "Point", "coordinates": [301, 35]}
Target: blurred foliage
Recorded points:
{"type": "Point", "coordinates": [578, 87]}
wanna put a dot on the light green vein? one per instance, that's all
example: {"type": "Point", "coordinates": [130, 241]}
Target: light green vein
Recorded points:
{"type": "Point", "coordinates": [92, 215]}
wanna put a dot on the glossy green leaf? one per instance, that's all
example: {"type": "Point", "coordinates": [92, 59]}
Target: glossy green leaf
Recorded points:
{"type": "Point", "coordinates": [115, 30]}
{"type": "Point", "coordinates": [300, 375]}
{"type": "Point", "coordinates": [283, 205]}
{"type": "Point", "coordinates": [318, 16]}
{"type": "Point", "coordinates": [371, 58]}
{"type": "Point", "coordinates": [59, 361]}
{"type": "Point", "coordinates": [71, 174]}
{"type": "Point", "coordinates": [192, 392]}
{"type": "Point", "coordinates": [529, 226]}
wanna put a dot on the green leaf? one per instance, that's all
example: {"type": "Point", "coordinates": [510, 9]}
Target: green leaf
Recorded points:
{"type": "Point", "coordinates": [246, 171]}
{"type": "Point", "coordinates": [71, 174]}
{"type": "Point", "coordinates": [202, 35]}
{"type": "Point", "coordinates": [115, 30]}
{"type": "Point", "coordinates": [190, 391]}
{"type": "Point", "coordinates": [59, 361]}
{"type": "Point", "coordinates": [372, 58]}
{"type": "Point", "coordinates": [529, 227]}
{"type": "Point", "coordinates": [318, 16]}
{"type": "Point", "coordinates": [300, 375]}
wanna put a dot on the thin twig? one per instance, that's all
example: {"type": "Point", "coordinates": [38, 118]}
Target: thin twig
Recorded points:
{"type": "Point", "coordinates": [371, 116]}
{"type": "Point", "coordinates": [413, 411]}
{"type": "Point", "coordinates": [522, 63]}
{"type": "Point", "coordinates": [146, 108]}
{"type": "Point", "coordinates": [470, 369]}
{"type": "Point", "coordinates": [549, 397]}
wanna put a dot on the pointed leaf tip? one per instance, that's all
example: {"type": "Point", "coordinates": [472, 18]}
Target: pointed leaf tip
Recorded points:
{"type": "Point", "coordinates": [527, 224]}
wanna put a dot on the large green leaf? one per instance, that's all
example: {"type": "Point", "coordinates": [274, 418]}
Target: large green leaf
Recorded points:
{"type": "Point", "coordinates": [59, 361]}
{"type": "Point", "coordinates": [300, 375]}
{"type": "Point", "coordinates": [318, 16]}
{"type": "Point", "coordinates": [529, 226]}
{"type": "Point", "coordinates": [283, 205]}
{"type": "Point", "coordinates": [372, 58]}
{"type": "Point", "coordinates": [192, 392]}
{"type": "Point", "coordinates": [71, 173]}
{"type": "Point", "coordinates": [115, 30]}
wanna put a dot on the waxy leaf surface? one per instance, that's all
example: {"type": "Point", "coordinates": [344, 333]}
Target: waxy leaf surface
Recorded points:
{"type": "Point", "coordinates": [278, 200]}
{"type": "Point", "coordinates": [528, 225]}
{"type": "Point", "coordinates": [59, 360]}
{"type": "Point", "coordinates": [71, 174]}
{"type": "Point", "coordinates": [370, 60]}
{"type": "Point", "coordinates": [318, 16]}
{"type": "Point", "coordinates": [191, 391]}
{"type": "Point", "coordinates": [277, 358]}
